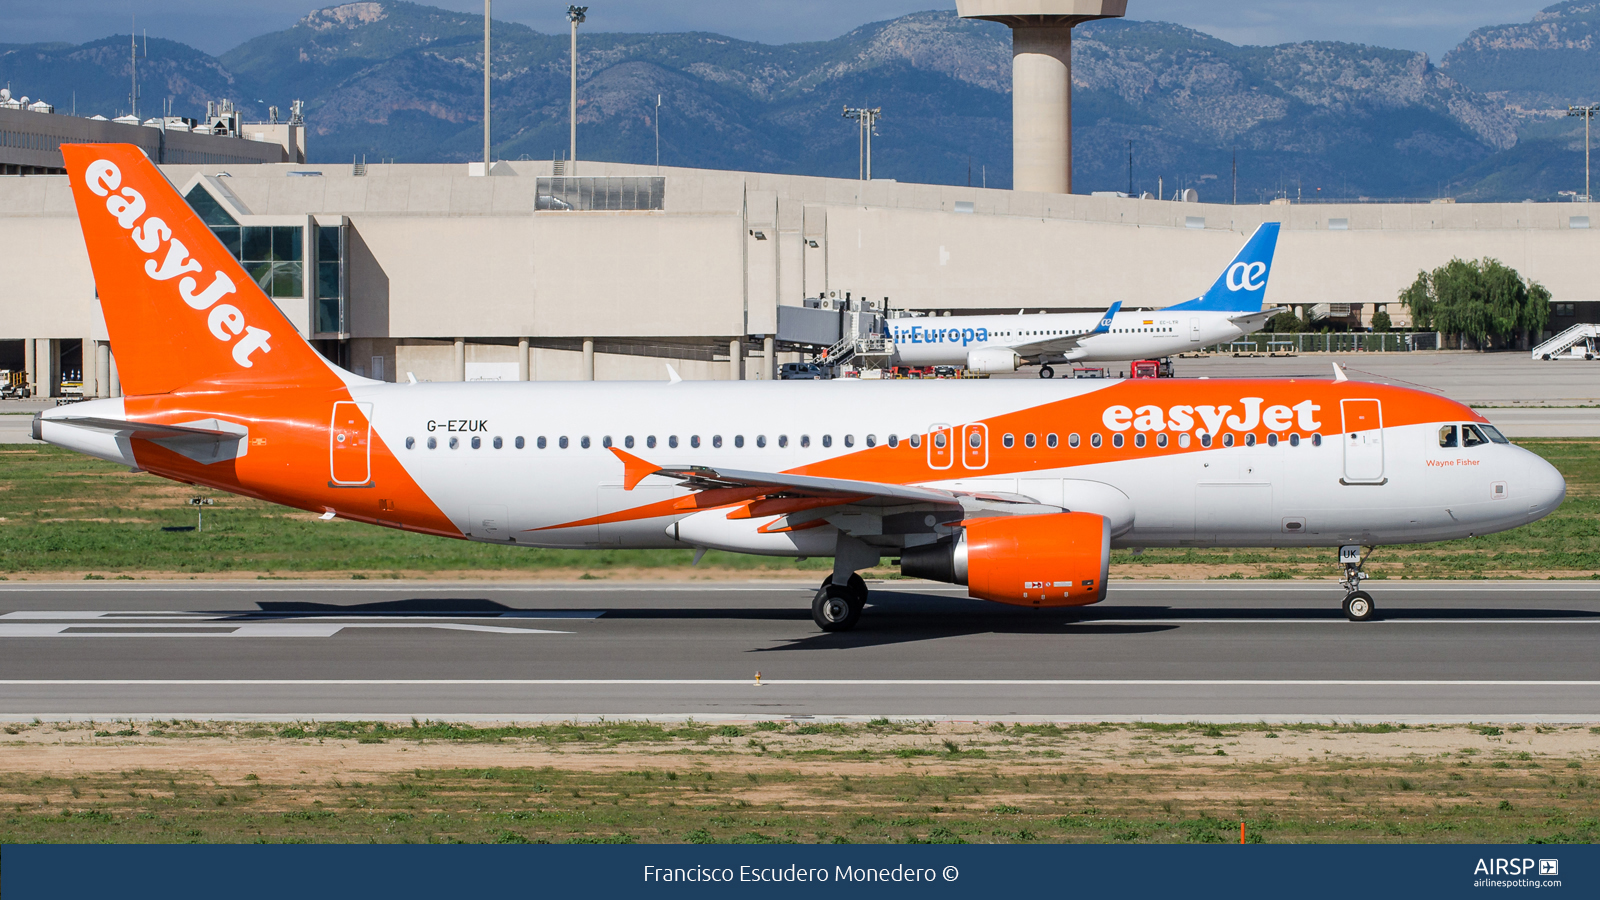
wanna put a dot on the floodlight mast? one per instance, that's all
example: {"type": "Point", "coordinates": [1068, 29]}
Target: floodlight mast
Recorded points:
{"type": "Point", "coordinates": [1587, 114]}
{"type": "Point", "coordinates": [866, 120]}
{"type": "Point", "coordinates": [486, 21]}
{"type": "Point", "coordinates": [576, 15]}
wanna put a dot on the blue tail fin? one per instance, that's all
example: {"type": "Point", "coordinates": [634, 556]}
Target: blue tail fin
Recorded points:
{"type": "Point", "coordinates": [1105, 321]}
{"type": "Point", "coordinates": [1243, 285]}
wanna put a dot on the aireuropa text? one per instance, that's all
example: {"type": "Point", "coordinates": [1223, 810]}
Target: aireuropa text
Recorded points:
{"type": "Point", "coordinates": [793, 873]}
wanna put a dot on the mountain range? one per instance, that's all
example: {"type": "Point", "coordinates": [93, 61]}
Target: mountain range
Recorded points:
{"type": "Point", "coordinates": [402, 81]}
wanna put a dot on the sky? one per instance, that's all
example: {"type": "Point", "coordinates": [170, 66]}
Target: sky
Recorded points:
{"type": "Point", "coordinates": [1431, 25]}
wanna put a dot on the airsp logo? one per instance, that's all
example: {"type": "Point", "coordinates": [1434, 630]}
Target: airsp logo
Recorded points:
{"type": "Point", "coordinates": [1247, 276]}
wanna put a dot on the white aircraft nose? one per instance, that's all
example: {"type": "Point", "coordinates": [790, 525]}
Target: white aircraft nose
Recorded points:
{"type": "Point", "coordinates": [1545, 487]}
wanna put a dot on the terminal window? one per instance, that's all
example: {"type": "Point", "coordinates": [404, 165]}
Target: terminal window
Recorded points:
{"type": "Point", "coordinates": [613, 193]}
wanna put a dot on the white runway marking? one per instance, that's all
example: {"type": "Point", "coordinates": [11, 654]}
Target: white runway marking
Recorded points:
{"type": "Point", "coordinates": [780, 682]}
{"type": "Point", "coordinates": [247, 629]}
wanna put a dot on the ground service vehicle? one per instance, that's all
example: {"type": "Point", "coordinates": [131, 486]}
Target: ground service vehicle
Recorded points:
{"type": "Point", "coordinates": [802, 372]}
{"type": "Point", "coordinates": [1016, 489]}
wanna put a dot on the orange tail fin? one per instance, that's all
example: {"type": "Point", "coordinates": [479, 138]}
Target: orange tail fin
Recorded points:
{"type": "Point", "coordinates": [180, 309]}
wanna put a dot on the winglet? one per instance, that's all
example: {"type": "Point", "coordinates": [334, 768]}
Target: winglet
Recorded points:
{"type": "Point", "coordinates": [1105, 322]}
{"type": "Point", "coordinates": [635, 469]}
{"type": "Point", "coordinates": [1338, 373]}
{"type": "Point", "coordinates": [672, 375]}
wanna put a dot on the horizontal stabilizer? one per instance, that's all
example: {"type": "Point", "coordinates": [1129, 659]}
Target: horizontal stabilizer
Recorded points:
{"type": "Point", "coordinates": [205, 441]}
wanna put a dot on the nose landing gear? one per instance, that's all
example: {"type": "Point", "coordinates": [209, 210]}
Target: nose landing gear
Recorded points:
{"type": "Point", "coordinates": [1358, 605]}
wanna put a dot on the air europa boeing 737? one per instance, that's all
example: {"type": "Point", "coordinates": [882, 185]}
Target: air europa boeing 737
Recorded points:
{"type": "Point", "coordinates": [1235, 306]}
{"type": "Point", "coordinates": [1017, 490]}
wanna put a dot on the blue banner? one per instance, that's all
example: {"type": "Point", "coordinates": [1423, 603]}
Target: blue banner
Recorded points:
{"type": "Point", "coordinates": [303, 872]}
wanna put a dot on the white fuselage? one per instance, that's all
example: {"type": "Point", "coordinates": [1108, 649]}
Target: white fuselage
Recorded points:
{"type": "Point", "coordinates": [1284, 495]}
{"type": "Point", "coordinates": [950, 340]}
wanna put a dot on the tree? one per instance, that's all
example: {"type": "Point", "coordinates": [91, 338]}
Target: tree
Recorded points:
{"type": "Point", "coordinates": [1381, 321]}
{"type": "Point", "coordinates": [1285, 323]}
{"type": "Point", "coordinates": [1482, 301]}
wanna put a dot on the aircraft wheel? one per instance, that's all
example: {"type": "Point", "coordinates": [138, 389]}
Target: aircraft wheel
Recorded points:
{"type": "Point", "coordinates": [1047, 372]}
{"type": "Point", "coordinates": [1358, 607]}
{"type": "Point", "coordinates": [857, 588]}
{"type": "Point", "coordinates": [836, 608]}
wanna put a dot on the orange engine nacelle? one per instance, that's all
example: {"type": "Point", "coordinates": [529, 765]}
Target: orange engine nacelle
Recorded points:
{"type": "Point", "coordinates": [1054, 560]}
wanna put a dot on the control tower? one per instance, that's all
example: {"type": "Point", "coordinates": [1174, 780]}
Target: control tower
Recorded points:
{"type": "Point", "coordinates": [1041, 82]}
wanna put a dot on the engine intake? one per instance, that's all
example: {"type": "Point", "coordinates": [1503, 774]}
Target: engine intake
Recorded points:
{"type": "Point", "coordinates": [1053, 560]}
{"type": "Point", "coordinates": [993, 361]}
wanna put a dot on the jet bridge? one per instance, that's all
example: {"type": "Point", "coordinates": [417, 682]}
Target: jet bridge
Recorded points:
{"type": "Point", "coordinates": [839, 331]}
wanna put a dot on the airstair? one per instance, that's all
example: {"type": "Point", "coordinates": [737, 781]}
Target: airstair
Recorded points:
{"type": "Point", "coordinates": [1566, 344]}
{"type": "Point", "coordinates": [867, 351]}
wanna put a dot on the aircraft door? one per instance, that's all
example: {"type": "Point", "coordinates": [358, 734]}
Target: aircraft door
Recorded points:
{"type": "Point", "coordinates": [1194, 330]}
{"type": "Point", "coordinates": [1363, 441]}
{"type": "Point", "coordinates": [350, 443]}
{"type": "Point", "coordinates": [941, 452]}
{"type": "Point", "coordinates": [975, 446]}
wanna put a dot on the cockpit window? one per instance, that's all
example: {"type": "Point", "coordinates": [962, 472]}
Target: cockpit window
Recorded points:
{"type": "Point", "coordinates": [1494, 434]}
{"type": "Point", "coordinates": [1447, 436]}
{"type": "Point", "coordinates": [1472, 437]}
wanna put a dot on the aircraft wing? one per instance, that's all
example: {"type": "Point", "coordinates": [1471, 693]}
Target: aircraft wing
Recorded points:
{"type": "Point", "coordinates": [1061, 344]}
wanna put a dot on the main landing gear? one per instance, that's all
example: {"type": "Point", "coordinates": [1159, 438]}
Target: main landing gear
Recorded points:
{"type": "Point", "coordinates": [1358, 605]}
{"type": "Point", "coordinates": [1046, 372]}
{"type": "Point", "coordinates": [838, 607]}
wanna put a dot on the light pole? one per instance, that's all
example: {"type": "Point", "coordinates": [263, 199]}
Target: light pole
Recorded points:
{"type": "Point", "coordinates": [867, 119]}
{"type": "Point", "coordinates": [486, 86]}
{"type": "Point", "coordinates": [1587, 114]}
{"type": "Point", "coordinates": [576, 15]}
{"type": "Point", "coordinates": [658, 134]}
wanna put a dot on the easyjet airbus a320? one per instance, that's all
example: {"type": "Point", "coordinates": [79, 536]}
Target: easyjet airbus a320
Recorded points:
{"type": "Point", "coordinates": [1016, 489]}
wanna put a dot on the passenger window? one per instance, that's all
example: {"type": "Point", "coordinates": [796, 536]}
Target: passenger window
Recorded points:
{"type": "Point", "coordinates": [584, 442]}
{"type": "Point", "coordinates": [1094, 441]}
{"type": "Point", "coordinates": [1294, 440]}
{"type": "Point", "coordinates": [975, 439]}
{"type": "Point", "coordinates": [805, 441]}
{"type": "Point", "coordinates": [1227, 440]}
{"type": "Point", "coordinates": [872, 440]}
{"type": "Point", "coordinates": [1205, 441]}
{"type": "Point", "coordinates": [939, 440]}
{"type": "Point", "coordinates": [894, 441]}
{"type": "Point", "coordinates": [1272, 440]}
{"type": "Point", "coordinates": [827, 440]}
{"type": "Point", "coordinates": [1138, 441]}
{"type": "Point", "coordinates": [1161, 441]}
{"type": "Point", "coordinates": [1008, 441]}
{"type": "Point", "coordinates": [1072, 441]}
{"type": "Point", "coordinates": [499, 443]}
{"type": "Point", "coordinates": [1051, 441]}
{"type": "Point", "coordinates": [455, 443]}
{"type": "Point", "coordinates": [604, 442]}
{"type": "Point", "coordinates": [650, 442]}
{"type": "Point", "coordinates": [1030, 441]}
{"type": "Point", "coordinates": [761, 441]}
{"type": "Point", "coordinates": [477, 443]}
{"type": "Point", "coordinates": [672, 441]}
{"type": "Point", "coordinates": [916, 441]}
{"type": "Point", "coordinates": [1447, 436]}
{"type": "Point", "coordinates": [628, 442]}
{"type": "Point", "coordinates": [1472, 437]}
{"type": "Point", "coordinates": [849, 440]}
{"type": "Point", "coordinates": [562, 442]}
{"type": "Point", "coordinates": [433, 443]}
{"type": "Point", "coordinates": [1316, 440]}
{"type": "Point", "coordinates": [716, 441]}
{"type": "Point", "coordinates": [1183, 441]}
{"type": "Point", "coordinates": [1250, 440]}
{"type": "Point", "coordinates": [694, 441]}
{"type": "Point", "coordinates": [738, 441]}
{"type": "Point", "coordinates": [783, 440]}
{"type": "Point", "coordinates": [411, 442]}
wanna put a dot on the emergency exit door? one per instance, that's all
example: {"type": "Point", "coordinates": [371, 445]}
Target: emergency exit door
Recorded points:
{"type": "Point", "coordinates": [1363, 441]}
{"type": "Point", "coordinates": [350, 443]}
{"type": "Point", "coordinates": [941, 449]}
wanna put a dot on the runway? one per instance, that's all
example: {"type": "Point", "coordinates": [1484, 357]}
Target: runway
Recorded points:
{"type": "Point", "coordinates": [1214, 651]}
